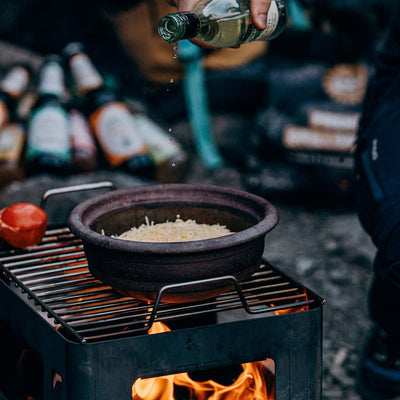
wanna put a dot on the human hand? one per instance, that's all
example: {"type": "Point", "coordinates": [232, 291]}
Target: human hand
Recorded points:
{"type": "Point", "coordinates": [259, 9]}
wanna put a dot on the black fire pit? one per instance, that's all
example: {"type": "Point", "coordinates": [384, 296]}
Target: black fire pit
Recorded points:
{"type": "Point", "coordinates": [141, 269]}
{"type": "Point", "coordinates": [91, 342]}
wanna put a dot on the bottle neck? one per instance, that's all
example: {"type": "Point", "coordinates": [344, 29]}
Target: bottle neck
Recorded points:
{"type": "Point", "coordinates": [84, 73]}
{"type": "Point", "coordinates": [15, 81]}
{"type": "Point", "coordinates": [177, 26]}
{"type": "Point", "coordinates": [51, 80]}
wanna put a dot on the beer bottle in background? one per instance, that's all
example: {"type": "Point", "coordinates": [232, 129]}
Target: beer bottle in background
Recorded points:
{"type": "Point", "coordinates": [222, 23]}
{"type": "Point", "coordinates": [169, 157]}
{"type": "Point", "coordinates": [109, 117]}
{"type": "Point", "coordinates": [12, 141]}
{"type": "Point", "coordinates": [83, 145]}
{"type": "Point", "coordinates": [48, 137]}
{"type": "Point", "coordinates": [12, 85]}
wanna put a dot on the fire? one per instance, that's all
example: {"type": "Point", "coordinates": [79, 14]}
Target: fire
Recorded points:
{"type": "Point", "coordinates": [251, 384]}
{"type": "Point", "coordinates": [302, 296]}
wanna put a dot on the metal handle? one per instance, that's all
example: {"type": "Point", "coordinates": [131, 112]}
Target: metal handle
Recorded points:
{"type": "Point", "coordinates": [75, 188]}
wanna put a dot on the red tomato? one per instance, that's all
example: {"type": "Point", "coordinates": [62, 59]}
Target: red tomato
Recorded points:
{"type": "Point", "coordinates": [22, 224]}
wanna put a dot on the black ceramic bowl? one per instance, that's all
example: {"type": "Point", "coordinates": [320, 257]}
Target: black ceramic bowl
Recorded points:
{"type": "Point", "coordinates": [141, 269]}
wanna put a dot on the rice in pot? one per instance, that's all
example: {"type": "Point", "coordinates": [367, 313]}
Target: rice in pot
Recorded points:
{"type": "Point", "coordinates": [176, 231]}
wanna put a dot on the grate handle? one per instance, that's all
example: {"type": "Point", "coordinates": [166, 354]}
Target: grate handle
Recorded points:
{"type": "Point", "coordinates": [168, 288]}
{"type": "Point", "coordinates": [238, 289]}
{"type": "Point", "coordinates": [75, 188]}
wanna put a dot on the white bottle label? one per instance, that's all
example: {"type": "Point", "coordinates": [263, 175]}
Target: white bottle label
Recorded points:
{"type": "Point", "coordinates": [84, 73]}
{"type": "Point", "coordinates": [52, 79]}
{"type": "Point", "coordinates": [303, 138]}
{"type": "Point", "coordinates": [117, 133]}
{"type": "Point", "coordinates": [161, 145]}
{"type": "Point", "coordinates": [272, 21]}
{"type": "Point", "coordinates": [15, 82]}
{"type": "Point", "coordinates": [49, 132]}
{"type": "Point", "coordinates": [334, 120]}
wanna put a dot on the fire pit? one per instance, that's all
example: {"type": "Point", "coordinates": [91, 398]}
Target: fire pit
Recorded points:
{"type": "Point", "coordinates": [142, 269]}
{"type": "Point", "coordinates": [72, 336]}
{"type": "Point", "coordinates": [92, 342]}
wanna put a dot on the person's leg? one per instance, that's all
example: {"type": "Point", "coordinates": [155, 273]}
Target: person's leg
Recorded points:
{"type": "Point", "coordinates": [378, 202]}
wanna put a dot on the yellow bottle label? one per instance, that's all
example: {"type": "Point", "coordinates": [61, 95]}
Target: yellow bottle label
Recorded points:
{"type": "Point", "coordinates": [116, 133]}
{"type": "Point", "coordinates": [347, 83]}
{"type": "Point", "coordinates": [4, 117]}
{"type": "Point", "coordinates": [12, 138]}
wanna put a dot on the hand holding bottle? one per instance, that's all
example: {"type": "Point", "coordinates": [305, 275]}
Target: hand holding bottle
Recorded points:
{"type": "Point", "coordinates": [224, 23]}
{"type": "Point", "coordinates": [259, 10]}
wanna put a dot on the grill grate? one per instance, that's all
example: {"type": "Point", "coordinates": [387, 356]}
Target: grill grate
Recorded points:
{"type": "Point", "coordinates": [54, 275]}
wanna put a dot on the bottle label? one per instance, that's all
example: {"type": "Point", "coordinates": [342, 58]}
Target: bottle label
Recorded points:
{"type": "Point", "coordinates": [26, 104]}
{"type": "Point", "coordinates": [52, 79]}
{"type": "Point", "coordinates": [161, 145]}
{"type": "Point", "coordinates": [84, 73]}
{"type": "Point", "coordinates": [334, 120]}
{"type": "Point", "coordinates": [272, 22]}
{"type": "Point", "coordinates": [347, 83]}
{"type": "Point", "coordinates": [12, 138]}
{"type": "Point", "coordinates": [325, 159]}
{"type": "Point", "coordinates": [302, 138]}
{"type": "Point", "coordinates": [49, 133]}
{"type": "Point", "coordinates": [81, 135]}
{"type": "Point", "coordinates": [15, 82]}
{"type": "Point", "coordinates": [116, 133]}
{"type": "Point", "coordinates": [3, 114]}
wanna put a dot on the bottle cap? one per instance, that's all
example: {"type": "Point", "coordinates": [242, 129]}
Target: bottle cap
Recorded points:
{"type": "Point", "coordinates": [56, 58]}
{"type": "Point", "coordinates": [73, 48]}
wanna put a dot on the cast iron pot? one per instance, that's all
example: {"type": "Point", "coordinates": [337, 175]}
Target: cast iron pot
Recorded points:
{"type": "Point", "coordinates": [141, 269]}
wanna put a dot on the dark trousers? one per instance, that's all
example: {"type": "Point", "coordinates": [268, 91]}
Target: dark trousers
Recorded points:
{"type": "Point", "coordinates": [378, 181]}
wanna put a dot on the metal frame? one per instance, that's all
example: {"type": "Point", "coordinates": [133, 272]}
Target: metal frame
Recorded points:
{"type": "Point", "coordinates": [75, 368]}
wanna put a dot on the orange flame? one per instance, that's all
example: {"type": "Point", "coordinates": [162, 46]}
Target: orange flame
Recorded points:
{"type": "Point", "coordinates": [251, 384]}
{"type": "Point", "coordinates": [303, 297]}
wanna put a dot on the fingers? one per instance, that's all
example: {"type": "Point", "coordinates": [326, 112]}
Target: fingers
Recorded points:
{"type": "Point", "coordinates": [259, 11]}
{"type": "Point", "coordinates": [185, 5]}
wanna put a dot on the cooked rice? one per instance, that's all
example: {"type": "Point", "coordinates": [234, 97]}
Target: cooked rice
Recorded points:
{"type": "Point", "coordinates": [177, 231]}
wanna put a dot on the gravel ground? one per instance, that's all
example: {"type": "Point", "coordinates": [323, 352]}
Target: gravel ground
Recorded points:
{"type": "Point", "coordinates": [329, 252]}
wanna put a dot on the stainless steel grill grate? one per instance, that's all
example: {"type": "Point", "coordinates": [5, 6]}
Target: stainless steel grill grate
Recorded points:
{"type": "Point", "coordinates": [55, 276]}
